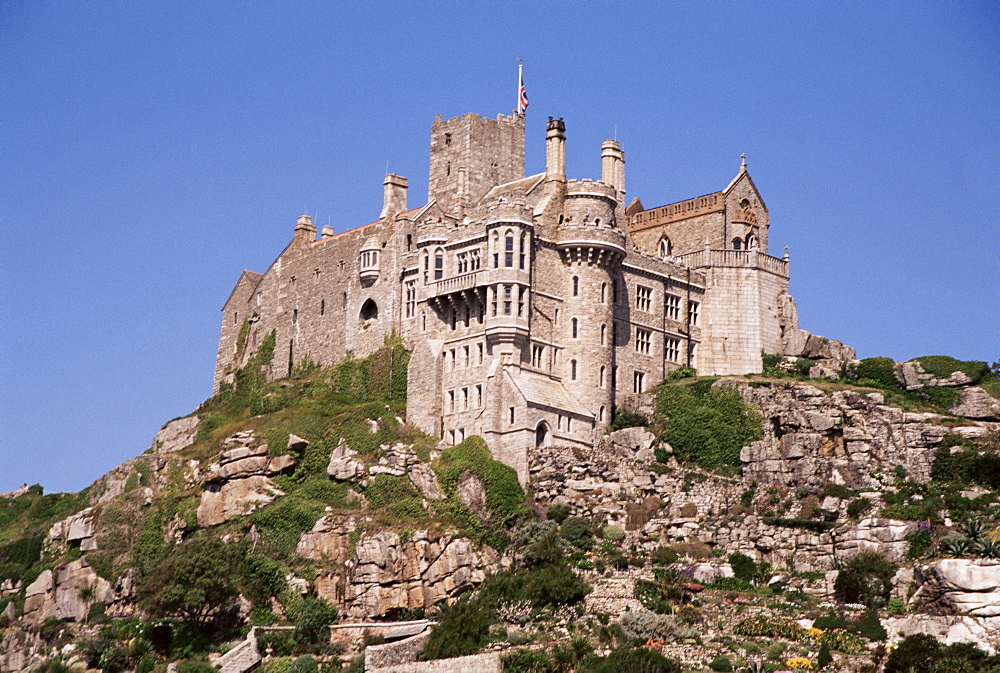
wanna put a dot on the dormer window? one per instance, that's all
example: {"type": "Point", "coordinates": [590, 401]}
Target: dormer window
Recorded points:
{"type": "Point", "coordinates": [369, 262]}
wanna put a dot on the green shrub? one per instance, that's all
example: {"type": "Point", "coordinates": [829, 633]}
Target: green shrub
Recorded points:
{"type": "Point", "coordinates": [877, 372]}
{"type": "Point", "coordinates": [824, 658]}
{"type": "Point", "coordinates": [613, 533]}
{"type": "Point", "coordinates": [304, 664]}
{"type": "Point", "coordinates": [865, 578]}
{"type": "Point", "coordinates": [665, 556]}
{"type": "Point", "coordinates": [914, 653]}
{"type": "Point", "coordinates": [312, 618]}
{"type": "Point", "coordinates": [386, 490]}
{"type": "Point", "coordinates": [768, 627]}
{"type": "Point", "coordinates": [280, 643]}
{"type": "Point", "coordinates": [721, 663]}
{"type": "Point", "coordinates": [558, 512]}
{"type": "Point", "coordinates": [870, 627]}
{"type": "Point", "coordinates": [195, 666]}
{"type": "Point", "coordinates": [627, 419]}
{"type": "Point", "coordinates": [280, 664]}
{"type": "Point", "coordinates": [282, 522]}
{"type": "Point", "coordinates": [17, 556]}
{"type": "Point", "coordinates": [858, 507]}
{"type": "Point", "coordinates": [462, 629]}
{"type": "Point", "coordinates": [706, 425]}
{"type": "Point", "coordinates": [743, 567]}
{"type": "Point", "coordinates": [638, 660]}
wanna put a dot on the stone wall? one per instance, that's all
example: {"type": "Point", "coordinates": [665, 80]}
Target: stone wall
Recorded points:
{"type": "Point", "coordinates": [475, 663]}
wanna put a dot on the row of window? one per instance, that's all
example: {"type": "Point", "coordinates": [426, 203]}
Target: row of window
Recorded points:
{"type": "Point", "coordinates": [465, 357]}
{"type": "Point", "coordinates": [644, 300]}
{"type": "Point", "coordinates": [463, 399]}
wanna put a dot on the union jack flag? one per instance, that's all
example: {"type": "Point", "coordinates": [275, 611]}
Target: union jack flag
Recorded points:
{"type": "Point", "coordinates": [522, 93]}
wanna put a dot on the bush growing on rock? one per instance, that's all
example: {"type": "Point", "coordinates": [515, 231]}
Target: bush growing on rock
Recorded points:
{"type": "Point", "coordinates": [865, 578]}
{"type": "Point", "coordinates": [706, 425]}
{"type": "Point", "coordinates": [639, 660]}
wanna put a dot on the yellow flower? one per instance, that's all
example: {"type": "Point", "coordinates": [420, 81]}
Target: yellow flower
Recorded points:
{"type": "Point", "coordinates": [799, 663]}
{"type": "Point", "coordinates": [814, 633]}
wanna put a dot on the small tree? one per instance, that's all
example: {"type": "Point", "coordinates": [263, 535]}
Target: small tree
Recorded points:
{"type": "Point", "coordinates": [866, 578]}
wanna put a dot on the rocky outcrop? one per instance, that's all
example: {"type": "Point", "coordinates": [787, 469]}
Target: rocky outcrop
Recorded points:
{"type": "Point", "coordinates": [977, 403]}
{"type": "Point", "coordinates": [844, 437]}
{"type": "Point", "coordinates": [342, 466]}
{"type": "Point", "coordinates": [488, 662]}
{"type": "Point", "coordinates": [240, 482]}
{"type": "Point", "coordinates": [176, 435]}
{"type": "Point", "coordinates": [959, 587]}
{"type": "Point", "coordinates": [914, 377]}
{"type": "Point", "coordinates": [66, 592]}
{"type": "Point", "coordinates": [981, 632]}
{"type": "Point", "coordinates": [885, 536]}
{"type": "Point", "coordinates": [78, 529]}
{"type": "Point", "coordinates": [383, 574]}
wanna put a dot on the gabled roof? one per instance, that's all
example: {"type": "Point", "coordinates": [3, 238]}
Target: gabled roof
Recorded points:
{"type": "Point", "coordinates": [544, 392]}
{"type": "Point", "coordinates": [739, 176]}
{"type": "Point", "coordinates": [250, 277]}
{"type": "Point", "coordinates": [527, 185]}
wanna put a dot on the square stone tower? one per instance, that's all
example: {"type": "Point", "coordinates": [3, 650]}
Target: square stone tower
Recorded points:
{"type": "Point", "coordinates": [470, 155]}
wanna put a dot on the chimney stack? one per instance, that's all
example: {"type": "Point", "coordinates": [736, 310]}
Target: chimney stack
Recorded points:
{"type": "Point", "coordinates": [613, 166]}
{"type": "Point", "coordinates": [394, 196]}
{"type": "Point", "coordinates": [555, 150]}
{"type": "Point", "coordinates": [305, 232]}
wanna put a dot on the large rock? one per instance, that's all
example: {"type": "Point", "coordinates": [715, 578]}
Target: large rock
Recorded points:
{"type": "Point", "coordinates": [65, 592]}
{"type": "Point", "coordinates": [979, 404]}
{"type": "Point", "coordinates": [960, 587]}
{"type": "Point", "coordinates": [221, 501]}
{"type": "Point", "coordinates": [425, 480]}
{"type": "Point", "coordinates": [176, 435]}
{"type": "Point", "coordinates": [886, 536]}
{"type": "Point", "coordinates": [981, 632]}
{"type": "Point", "coordinates": [632, 443]}
{"type": "Point", "coordinates": [914, 377]}
{"type": "Point", "coordinates": [77, 528]}
{"type": "Point", "coordinates": [342, 466]}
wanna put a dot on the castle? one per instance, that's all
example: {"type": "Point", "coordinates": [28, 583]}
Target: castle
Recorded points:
{"type": "Point", "coordinates": [534, 306]}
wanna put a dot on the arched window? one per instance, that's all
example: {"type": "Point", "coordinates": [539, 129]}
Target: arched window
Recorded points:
{"type": "Point", "coordinates": [572, 370]}
{"type": "Point", "coordinates": [665, 249]}
{"type": "Point", "coordinates": [604, 335]}
{"type": "Point", "coordinates": [542, 434]}
{"type": "Point", "coordinates": [576, 327]}
{"type": "Point", "coordinates": [576, 286]}
{"type": "Point", "coordinates": [369, 310]}
{"type": "Point", "coordinates": [600, 415]}
{"type": "Point", "coordinates": [523, 249]}
{"type": "Point", "coordinates": [751, 242]}
{"type": "Point", "coordinates": [496, 250]}
{"type": "Point", "coordinates": [737, 243]}
{"type": "Point", "coordinates": [508, 249]}
{"type": "Point", "coordinates": [427, 263]}
{"type": "Point", "coordinates": [438, 264]}
{"type": "Point", "coordinates": [600, 377]}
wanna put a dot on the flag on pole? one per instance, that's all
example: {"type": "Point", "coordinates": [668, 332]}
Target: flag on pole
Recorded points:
{"type": "Point", "coordinates": [522, 93]}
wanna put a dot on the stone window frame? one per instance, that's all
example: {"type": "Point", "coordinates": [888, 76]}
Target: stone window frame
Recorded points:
{"type": "Point", "coordinates": [576, 286]}
{"type": "Point", "coordinates": [411, 299]}
{"type": "Point", "coordinates": [496, 249]}
{"type": "Point", "coordinates": [537, 355]}
{"type": "Point", "coordinates": [643, 340]}
{"type": "Point", "coordinates": [693, 312]}
{"type": "Point", "coordinates": [575, 328]}
{"type": "Point", "coordinates": [522, 249]}
{"type": "Point", "coordinates": [508, 249]}
{"type": "Point", "coordinates": [672, 306]}
{"type": "Point", "coordinates": [604, 334]}
{"type": "Point", "coordinates": [672, 348]}
{"type": "Point", "coordinates": [508, 299]}
{"type": "Point", "coordinates": [601, 376]}
{"type": "Point", "coordinates": [572, 370]}
{"type": "Point", "coordinates": [604, 293]}
{"type": "Point", "coordinates": [439, 264]}
{"type": "Point", "coordinates": [643, 298]}
{"type": "Point", "coordinates": [665, 248]}
{"type": "Point", "coordinates": [638, 381]}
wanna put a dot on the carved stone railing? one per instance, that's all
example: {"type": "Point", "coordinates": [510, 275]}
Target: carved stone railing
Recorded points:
{"type": "Point", "coordinates": [740, 259]}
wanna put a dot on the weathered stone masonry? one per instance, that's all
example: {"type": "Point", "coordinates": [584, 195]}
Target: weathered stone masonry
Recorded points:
{"type": "Point", "coordinates": [535, 305]}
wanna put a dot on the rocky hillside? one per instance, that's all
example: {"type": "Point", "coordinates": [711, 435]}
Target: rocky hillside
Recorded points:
{"type": "Point", "coordinates": [773, 522]}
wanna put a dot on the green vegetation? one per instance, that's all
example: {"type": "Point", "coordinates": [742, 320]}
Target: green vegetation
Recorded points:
{"type": "Point", "coordinates": [706, 425]}
{"type": "Point", "coordinates": [865, 578]}
{"type": "Point", "coordinates": [943, 366]}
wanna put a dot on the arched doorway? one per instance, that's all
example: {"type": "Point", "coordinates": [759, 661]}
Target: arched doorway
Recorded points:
{"type": "Point", "coordinates": [542, 435]}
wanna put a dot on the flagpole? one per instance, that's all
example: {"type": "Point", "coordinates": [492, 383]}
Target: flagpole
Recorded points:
{"type": "Point", "coordinates": [520, 84]}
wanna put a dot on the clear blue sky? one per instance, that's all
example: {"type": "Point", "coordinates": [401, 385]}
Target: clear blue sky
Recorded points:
{"type": "Point", "coordinates": [150, 151]}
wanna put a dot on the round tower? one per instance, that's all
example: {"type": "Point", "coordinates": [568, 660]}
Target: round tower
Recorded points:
{"type": "Point", "coordinates": [592, 248]}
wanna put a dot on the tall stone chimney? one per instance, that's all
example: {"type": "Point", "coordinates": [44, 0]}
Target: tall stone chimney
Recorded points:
{"type": "Point", "coordinates": [613, 166]}
{"type": "Point", "coordinates": [555, 150]}
{"type": "Point", "coordinates": [305, 232]}
{"type": "Point", "coordinates": [394, 196]}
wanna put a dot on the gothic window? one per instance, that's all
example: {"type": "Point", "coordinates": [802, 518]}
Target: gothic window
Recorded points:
{"type": "Point", "coordinates": [479, 396]}
{"type": "Point", "coordinates": [643, 297]}
{"type": "Point", "coordinates": [438, 264]}
{"type": "Point", "coordinates": [751, 242]}
{"type": "Point", "coordinates": [604, 334]}
{"type": "Point", "coordinates": [600, 377]}
{"type": "Point", "coordinates": [600, 415]}
{"type": "Point", "coordinates": [409, 242]}
{"type": "Point", "coordinates": [572, 370]}
{"type": "Point", "coordinates": [411, 298]}
{"type": "Point", "coordinates": [369, 310]}
{"type": "Point", "coordinates": [508, 250]}
{"type": "Point", "coordinates": [604, 293]}
{"type": "Point", "coordinates": [537, 356]}
{"type": "Point", "coordinates": [576, 328]}
{"type": "Point", "coordinates": [643, 340]}
{"type": "Point", "coordinates": [426, 264]}
{"type": "Point", "coordinates": [673, 306]}
{"type": "Point", "coordinates": [576, 286]}
{"type": "Point", "coordinates": [665, 247]}
{"type": "Point", "coordinates": [737, 243]}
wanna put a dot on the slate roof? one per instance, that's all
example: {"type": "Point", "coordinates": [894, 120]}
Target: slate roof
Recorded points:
{"type": "Point", "coordinates": [542, 391]}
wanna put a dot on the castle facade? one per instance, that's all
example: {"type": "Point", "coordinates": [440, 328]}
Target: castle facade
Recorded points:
{"type": "Point", "coordinates": [534, 306]}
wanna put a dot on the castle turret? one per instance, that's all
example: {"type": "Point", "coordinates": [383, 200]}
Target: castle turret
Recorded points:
{"type": "Point", "coordinates": [555, 150]}
{"type": "Point", "coordinates": [393, 195]}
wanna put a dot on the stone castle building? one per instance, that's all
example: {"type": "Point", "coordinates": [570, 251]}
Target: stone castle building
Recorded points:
{"type": "Point", "coordinates": [534, 306]}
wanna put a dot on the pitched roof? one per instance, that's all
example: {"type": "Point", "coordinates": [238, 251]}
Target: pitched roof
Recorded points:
{"type": "Point", "coordinates": [251, 277]}
{"type": "Point", "coordinates": [545, 392]}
